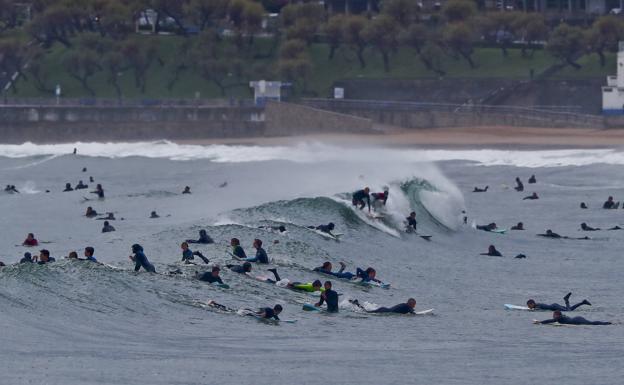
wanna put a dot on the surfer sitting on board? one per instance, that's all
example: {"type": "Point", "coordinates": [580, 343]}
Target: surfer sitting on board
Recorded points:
{"type": "Point", "coordinates": [531, 197]}
{"type": "Point", "coordinates": [30, 240]}
{"type": "Point", "coordinates": [519, 186]}
{"type": "Point", "coordinates": [99, 191]}
{"type": "Point", "coordinates": [519, 226]}
{"type": "Point", "coordinates": [261, 255]}
{"type": "Point", "coordinates": [188, 255]}
{"type": "Point", "coordinates": [492, 252]}
{"type": "Point", "coordinates": [210, 277]}
{"type": "Point", "coordinates": [241, 269]}
{"type": "Point", "coordinates": [402, 308]}
{"type": "Point", "coordinates": [609, 204]}
{"type": "Point", "coordinates": [477, 189]}
{"type": "Point", "coordinates": [562, 319]}
{"type": "Point", "coordinates": [237, 249]}
{"type": "Point", "coordinates": [327, 229]}
{"type": "Point", "coordinates": [330, 297]}
{"type": "Point", "coordinates": [411, 222]}
{"type": "Point", "coordinates": [361, 198]}
{"type": "Point", "coordinates": [531, 304]}
{"type": "Point", "coordinates": [488, 227]}
{"type": "Point", "coordinates": [204, 238]}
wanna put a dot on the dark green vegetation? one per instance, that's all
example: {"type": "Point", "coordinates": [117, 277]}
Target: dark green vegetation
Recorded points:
{"type": "Point", "coordinates": [215, 47]}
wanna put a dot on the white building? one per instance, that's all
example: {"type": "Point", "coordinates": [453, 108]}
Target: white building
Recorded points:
{"type": "Point", "coordinates": [264, 90]}
{"type": "Point", "coordinates": [613, 93]}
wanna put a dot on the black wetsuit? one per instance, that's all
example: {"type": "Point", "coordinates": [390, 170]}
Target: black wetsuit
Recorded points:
{"type": "Point", "coordinates": [50, 259]}
{"type": "Point", "coordinates": [494, 253]}
{"type": "Point", "coordinates": [26, 260]}
{"type": "Point", "coordinates": [325, 229]}
{"type": "Point", "coordinates": [208, 277]}
{"type": "Point", "coordinates": [401, 308]}
{"type": "Point", "coordinates": [517, 227]}
{"type": "Point", "coordinates": [556, 306]}
{"type": "Point", "coordinates": [203, 238]}
{"type": "Point", "coordinates": [551, 235]}
{"type": "Point", "coordinates": [140, 260]}
{"type": "Point", "coordinates": [608, 205]}
{"type": "Point", "coordinates": [100, 193]}
{"type": "Point", "coordinates": [108, 229]}
{"type": "Point", "coordinates": [239, 252]}
{"type": "Point", "coordinates": [188, 255]}
{"type": "Point", "coordinates": [575, 321]}
{"type": "Point", "coordinates": [261, 257]}
{"type": "Point", "coordinates": [340, 274]}
{"type": "Point", "coordinates": [237, 268]}
{"type": "Point", "coordinates": [361, 198]}
{"type": "Point", "coordinates": [269, 313]}
{"type": "Point", "coordinates": [411, 222]}
{"type": "Point", "coordinates": [331, 298]}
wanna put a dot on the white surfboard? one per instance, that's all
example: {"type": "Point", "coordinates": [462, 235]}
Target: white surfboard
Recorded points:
{"type": "Point", "coordinates": [515, 307]}
{"type": "Point", "coordinates": [424, 312]}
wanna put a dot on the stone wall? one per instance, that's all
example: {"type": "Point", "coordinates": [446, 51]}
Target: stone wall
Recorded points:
{"type": "Point", "coordinates": [283, 119]}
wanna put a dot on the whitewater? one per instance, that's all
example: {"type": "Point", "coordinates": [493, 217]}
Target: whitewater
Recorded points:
{"type": "Point", "coordinates": [81, 323]}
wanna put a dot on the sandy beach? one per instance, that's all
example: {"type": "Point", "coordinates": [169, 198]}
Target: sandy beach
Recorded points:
{"type": "Point", "coordinates": [490, 137]}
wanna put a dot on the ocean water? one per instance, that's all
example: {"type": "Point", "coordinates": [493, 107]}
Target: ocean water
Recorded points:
{"type": "Point", "coordinates": [82, 323]}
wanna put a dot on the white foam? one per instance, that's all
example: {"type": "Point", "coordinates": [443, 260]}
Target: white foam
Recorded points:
{"type": "Point", "coordinates": [313, 152]}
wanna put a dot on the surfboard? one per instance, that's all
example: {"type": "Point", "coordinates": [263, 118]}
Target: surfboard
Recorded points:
{"type": "Point", "coordinates": [515, 307]}
{"type": "Point", "coordinates": [424, 312]}
{"type": "Point", "coordinates": [499, 231]}
{"type": "Point", "coordinates": [335, 236]}
{"type": "Point", "coordinates": [373, 284]}
{"type": "Point", "coordinates": [221, 285]}
{"type": "Point", "coordinates": [375, 216]}
{"type": "Point", "coordinates": [310, 307]}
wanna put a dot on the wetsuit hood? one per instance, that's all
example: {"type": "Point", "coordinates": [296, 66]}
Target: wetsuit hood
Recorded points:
{"type": "Point", "coordinates": [136, 248]}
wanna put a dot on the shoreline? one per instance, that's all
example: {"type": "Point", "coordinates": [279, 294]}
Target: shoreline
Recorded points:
{"type": "Point", "coordinates": [461, 138]}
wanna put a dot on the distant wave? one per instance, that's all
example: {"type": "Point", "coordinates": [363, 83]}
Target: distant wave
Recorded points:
{"type": "Point", "coordinates": [312, 152]}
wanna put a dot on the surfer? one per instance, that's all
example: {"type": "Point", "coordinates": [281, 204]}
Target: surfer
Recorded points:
{"type": "Point", "coordinates": [204, 238]}
{"type": "Point", "coordinates": [562, 319]}
{"type": "Point", "coordinates": [616, 228]}
{"type": "Point", "coordinates": [11, 189]}
{"type": "Point", "coordinates": [330, 297]}
{"type": "Point", "coordinates": [237, 249]}
{"type": "Point", "coordinates": [532, 179]}
{"type": "Point", "coordinates": [30, 240]}
{"type": "Point", "coordinates": [402, 308]}
{"type": "Point", "coordinates": [549, 234]}
{"type": "Point", "coordinates": [583, 205]}
{"type": "Point", "coordinates": [187, 190]}
{"type": "Point", "coordinates": [361, 198]}
{"type": "Point", "coordinates": [210, 277]}
{"type": "Point", "coordinates": [268, 313]}
{"type": "Point", "coordinates": [81, 186]}
{"type": "Point", "coordinates": [309, 287]}
{"type": "Point", "coordinates": [411, 222]}
{"type": "Point", "coordinates": [531, 197]}
{"type": "Point", "coordinates": [488, 227]}
{"type": "Point", "coordinates": [154, 215]}
{"type": "Point", "coordinates": [240, 269]}
{"type": "Point", "coordinates": [189, 255]}
{"type": "Point", "coordinates": [492, 252]}
{"type": "Point", "coordinates": [91, 213]}
{"type": "Point", "coordinates": [107, 227]}
{"type": "Point", "coordinates": [478, 190]}
{"type": "Point", "coordinates": [327, 267]}
{"type": "Point", "coordinates": [44, 257]}
{"type": "Point", "coordinates": [381, 197]}
{"type": "Point", "coordinates": [531, 304]}
{"type": "Point", "coordinates": [27, 258]}
{"type": "Point", "coordinates": [88, 253]}
{"type": "Point", "coordinates": [68, 187]}
{"type": "Point", "coordinates": [610, 204]}
{"type": "Point", "coordinates": [140, 259]}
{"type": "Point", "coordinates": [519, 186]}
{"type": "Point", "coordinates": [585, 227]}
{"type": "Point", "coordinates": [99, 191]}
{"type": "Point", "coordinates": [281, 228]}
{"type": "Point", "coordinates": [261, 255]}
{"type": "Point", "coordinates": [519, 226]}
{"type": "Point", "coordinates": [327, 229]}
{"type": "Point", "coordinates": [108, 217]}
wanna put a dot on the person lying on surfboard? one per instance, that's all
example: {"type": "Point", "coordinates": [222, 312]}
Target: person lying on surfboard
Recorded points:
{"type": "Point", "coordinates": [210, 277]}
{"type": "Point", "coordinates": [361, 198]}
{"type": "Point", "coordinates": [268, 313]}
{"type": "Point", "coordinates": [519, 226]}
{"type": "Point", "coordinates": [477, 189]}
{"type": "Point", "coordinates": [585, 227]}
{"type": "Point", "coordinates": [531, 304]}
{"type": "Point", "coordinates": [562, 319]}
{"type": "Point", "coordinates": [367, 275]}
{"type": "Point", "coordinates": [492, 252]}
{"type": "Point", "coordinates": [402, 308]}
{"type": "Point", "coordinates": [240, 269]}
{"type": "Point", "coordinates": [309, 287]}
{"type": "Point", "coordinates": [327, 229]}
{"type": "Point", "coordinates": [330, 297]}
{"type": "Point", "coordinates": [488, 227]}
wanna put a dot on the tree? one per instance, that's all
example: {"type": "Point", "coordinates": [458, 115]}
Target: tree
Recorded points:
{"type": "Point", "coordinates": [532, 28]}
{"type": "Point", "coordinates": [246, 17]}
{"type": "Point", "coordinates": [382, 33]}
{"type": "Point", "coordinates": [294, 63]}
{"type": "Point", "coordinates": [426, 42]}
{"type": "Point", "coordinates": [459, 10]}
{"type": "Point", "coordinates": [173, 9]}
{"type": "Point", "coordinates": [82, 65]}
{"type": "Point", "coordinates": [113, 64]}
{"type": "Point", "coordinates": [53, 24]}
{"type": "Point", "coordinates": [460, 37]}
{"type": "Point", "coordinates": [432, 57]}
{"type": "Point", "coordinates": [13, 57]}
{"type": "Point", "coordinates": [9, 15]}
{"type": "Point", "coordinates": [354, 36]}
{"type": "Point", "coordinates": [499, 28]}
{"type": "Point", "coordinates": [415, 37]}
{"type": "Point", "coordinates": [334, 33]}
{"type": "Point", "coordinates": [115, 20]}
{"type": "Point", "coordinates": [39, 71]}
{"type": "Point", "coordinates": [401, 11]}
{"type": "Point", "coordinates": [140, 56]}
{"type": "Point", "coordinates": [566, 43]}
{"type": "Point", "coordinates": [302, 21]}
{"type": "Point", "coordinates": [604, 35]}
{"type": "Point", "coordinates": [206, 13]}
